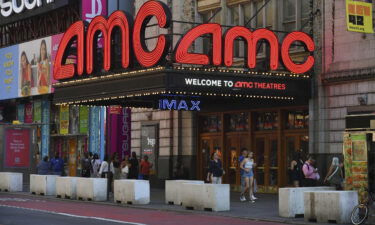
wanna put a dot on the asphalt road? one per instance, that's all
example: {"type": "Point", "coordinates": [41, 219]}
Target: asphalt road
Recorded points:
{"type": "Point", "coordinates": [36, 210]}
{"type": "Point", "coordinates": [19, 216]}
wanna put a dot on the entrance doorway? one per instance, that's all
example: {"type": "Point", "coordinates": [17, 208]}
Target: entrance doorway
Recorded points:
{"type": "Point", "coordinates": [233, 145]}
{"type": "Point", "coordinates": [208, 145]}
{"type": "Point", "coordinates": [266, 155]}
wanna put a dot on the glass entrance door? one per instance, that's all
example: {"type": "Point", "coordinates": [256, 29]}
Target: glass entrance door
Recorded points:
{"type": "Point", "coordinates": [207, 146]}
{"type": "Point", "coordinates": [233, 145]}
{"type": "Point", "coordinates": [266, 156]}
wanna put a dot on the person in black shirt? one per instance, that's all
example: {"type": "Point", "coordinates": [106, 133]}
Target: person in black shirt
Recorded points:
{"type": "Point", "coordinates": [215, 170]}
{"type": "Point", "coordinates": [134, 167]}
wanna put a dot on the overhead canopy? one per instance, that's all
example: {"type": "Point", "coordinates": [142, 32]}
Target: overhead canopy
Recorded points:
{"type": "Point", "coordinates": [143, 88]}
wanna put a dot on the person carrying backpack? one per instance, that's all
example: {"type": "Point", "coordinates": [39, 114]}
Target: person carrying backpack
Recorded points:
{"type": "Point", "coordinates": [296, 174]}
{"type": "Point", "coordinates": [57, 165]}
{"type": "Point", "coordinates": [311, 174]}
{"type": "Point", "coordinates": [86, 166]}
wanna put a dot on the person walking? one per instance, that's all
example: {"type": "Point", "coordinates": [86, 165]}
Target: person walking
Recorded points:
{"type": "Point", "coordinates": [243, 183]}
{"type": "Point", "coordinates": [335, 176]}
{"type": "Point", "coordinates": [44, 166]}
{"type": "Point", "coordinates": [106, 171]}
{"type": "Point", "coordinates": [310, 172]}
{"type": "Point", "coordinates": [296, 174]}
{"type": "Point", "coordinates": [95, 164]}
{"type": "Point", "coordinates": [247, 165]}
{"type": "Point", "coordinates": [145, 168]}
{"type": "Point", "coordinates": [86, 166]}
{"type": "Point", "coordinates": [134, 167]}
{"type": "Point", "coordinates": [215, 170]}
{"type": "Point", "coordinates": [57, 165]}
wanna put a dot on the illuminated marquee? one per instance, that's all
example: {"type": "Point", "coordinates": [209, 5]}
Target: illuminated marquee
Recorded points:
{"type": "Point", "coordinates": [222, 50]}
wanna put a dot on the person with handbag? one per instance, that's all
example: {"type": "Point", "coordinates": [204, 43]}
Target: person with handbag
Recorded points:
{"type": "Point", "coordinates": [125, 165]}
{"type": "Point", "coordinates": [334, 176]}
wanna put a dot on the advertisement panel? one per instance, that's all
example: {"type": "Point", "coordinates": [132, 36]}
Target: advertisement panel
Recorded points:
{"type": "Point", "coordinates": [149, 143]}
{"type": "Point", "coordinates": [45, 127]}
{"type": "Point", "coordinates": [9, 72]}
{"type": "Point", "coordinates": [21, 113]}
{"type": "Point", "coordinates": [83, 119]}
{"type": "Point", "coordinates": [64, 119]}
{"type": "Point", "coordinates": [35, 69]}
{"type": "Point", "coordinates": [93, 8]}
{"type": "Point", "coordinates": [359, 16]}
{"type": "Point", "coordinates": [73, 119]}
{"type": "Point", "coordinates": [17, 148]}
{"type": "Point", "coordinates": [55, 42]}
{"type": "Point", "coordinates": [72, 158]}
{"type": "Point", "coordinates": [94, 139]}
{"type": "Point", "coordinates": [29, 112]}
{"type": "Point", "coordinates": [124, 134]}
{"type": "Point", "coordinates": [37, 116]}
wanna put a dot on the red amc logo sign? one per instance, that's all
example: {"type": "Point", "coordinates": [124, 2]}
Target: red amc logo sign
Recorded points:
{"type": "Point", "coordinates": [133, 36]}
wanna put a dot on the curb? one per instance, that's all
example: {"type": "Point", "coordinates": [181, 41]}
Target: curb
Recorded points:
{"type": "Point", "coordinates": [177, 210]}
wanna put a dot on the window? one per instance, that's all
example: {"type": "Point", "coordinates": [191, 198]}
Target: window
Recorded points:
{"type": "Point", "coordinates": [235, 21]}
{"type": "Point", "coordinates": [305, 15]}
{"type": "Point", "coordinates": [289, 15]}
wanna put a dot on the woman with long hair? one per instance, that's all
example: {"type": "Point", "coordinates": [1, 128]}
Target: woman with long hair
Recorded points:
{"type": "Point", "coordinates": [25, 75]}
{"type": "Point", "coordinates": [247, 166]}
{"type": "Point", "coordinates": [43, 69]}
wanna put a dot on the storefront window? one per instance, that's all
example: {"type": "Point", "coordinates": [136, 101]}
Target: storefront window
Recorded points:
{"type": "Point", "coordinates": [297, 120]}
{"type": "Point", "coordinates": [237, 122]}
{"type": "Point", "coordinates": [211, 124]}
{"type": "Point", "coordinates": [289, 15]}
{"type": "Point", "coordinates": [266, 121]}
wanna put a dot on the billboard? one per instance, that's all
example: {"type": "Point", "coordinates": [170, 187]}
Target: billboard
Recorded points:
{"type": "Point", "coordinates": [17, 148]}
{"type": "Point", "coordinates": [359, 16]}
{"type": "Point", "coordinates": [35, 69]}
{"type": "Point", "coordinates": [9, 72]}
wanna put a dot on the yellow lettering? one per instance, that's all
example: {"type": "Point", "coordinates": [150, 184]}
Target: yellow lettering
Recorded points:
{"type": "Point", "coordinates": [8, 64]}
{"type": "Point", "coordinates": [9, 55]}
{"type": "Point", "coordinates": [9, 72]}
{"type": "Point", "coordinates": [9, 80]}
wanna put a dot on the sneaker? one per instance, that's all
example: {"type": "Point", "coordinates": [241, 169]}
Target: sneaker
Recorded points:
{"type": "Point", "coordinates": [252, 200]}
{"type": "Point", "coordinates": [253, 197]}
{"type": "Point", "coordinates": [242, 198]}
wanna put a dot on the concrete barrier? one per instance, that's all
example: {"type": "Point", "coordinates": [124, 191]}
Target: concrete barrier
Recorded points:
{"type": "Point", "coordinates": [92, 189]}
{"type": "Point", "coordinates": [173, 190]}
{"type": "Point", "coordinates": [43, 184]}
{"type": "Point", "coordinates": [291, 200]}
{"type": "Point", "coordinates": [66, 187]}
{"type": "Point", "coordinates": [132, 191]}
{"type": "Point", "coordinates": [210, 197]}
{"type": "Point", "coordinates": [11, 182]}
{"type": "Point", "coordinates": [329, 206]}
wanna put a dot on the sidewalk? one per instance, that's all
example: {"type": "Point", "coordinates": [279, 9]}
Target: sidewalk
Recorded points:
{"type": "Point", "coordinates": [264, 209]}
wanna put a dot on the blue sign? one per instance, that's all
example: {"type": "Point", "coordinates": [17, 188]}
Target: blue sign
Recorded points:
{"type": "Point", "coordinates": [9, 70]}
{"type": "Point", "coordinates": [179, 105]}
{"type": "Point", "coordinates": [94, 130]}
{"type": "Point", "coordinates": [21, 113]}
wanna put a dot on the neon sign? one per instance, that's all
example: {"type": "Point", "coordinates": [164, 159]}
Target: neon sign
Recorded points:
{"type": "Point", "coordinates": [133, 36]}
{"type": "Point", "coordinates": [166, 104]}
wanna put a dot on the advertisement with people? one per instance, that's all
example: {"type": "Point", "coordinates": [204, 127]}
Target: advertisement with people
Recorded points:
{"type": "Point", "coordinates": [35, 68]}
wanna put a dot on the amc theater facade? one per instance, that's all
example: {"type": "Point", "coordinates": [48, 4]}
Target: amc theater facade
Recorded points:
{"type": "Point", "coordinates": [186, 104]}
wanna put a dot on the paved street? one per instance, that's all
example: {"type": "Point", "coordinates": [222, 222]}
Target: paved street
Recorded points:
{"type": "Point", "coordinates": [30, 210]}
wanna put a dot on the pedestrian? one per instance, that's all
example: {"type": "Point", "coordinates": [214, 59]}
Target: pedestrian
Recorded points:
{"type": "Point", "coordinates": [95, 164]}
{"type": "Point", "coordinates": [125, 165]}
{"type": "Point", "coordinates": [334, 176]}
{"type": "Point", "coordinates": [116, 166]}
{"type": "Point", "coordinates": [106, 171]}
{"type": "Point", "coordinates": [44, 166]}
{"type": "Point", "coordinates": [86, 166]}
{"type": "Point", "coordinates": [243, 183]}
{"type": "Point", "coordinates": [310, 172]}
{"type": "Point", "coordinates": [296, 174]}
{"type": "Point", "coordinates": [215, 170]}
{"type": "Point", "coordinates": [145, 168]}
{"type": "Point", "coordinates": [134, 167]}
{"type": "Point", "coordinates": [57, 165]}
{"type": "Point", "coordinates": [247, 165]}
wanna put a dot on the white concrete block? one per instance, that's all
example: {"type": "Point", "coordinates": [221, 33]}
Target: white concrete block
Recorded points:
{"type": "Point", "coordinates": [132, 191]}
{"type": "Point", "coordinates": [215, 197]}
{"type": "Point", "coordinates": [291, 200]}
{"type": "Point", "coordinates": [66, 187]}
{"type": "Point", "coordinates": [329, 206]}
{"type": "Point", "coordinates": [92, 189]}
{"type": "Point", "coordinates": [43, 184]}
{"type": "Point", "coordinates": [11, 182]}
{"type": "Point", "coordinates": [173, 190]}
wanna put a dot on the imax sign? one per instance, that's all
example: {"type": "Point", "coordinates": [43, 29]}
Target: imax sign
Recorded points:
{"type": "Point", "coordinates": [166, 104]}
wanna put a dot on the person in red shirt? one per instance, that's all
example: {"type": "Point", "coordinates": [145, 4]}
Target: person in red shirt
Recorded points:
{"type": "Point", "coordinates": [145, 168]}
